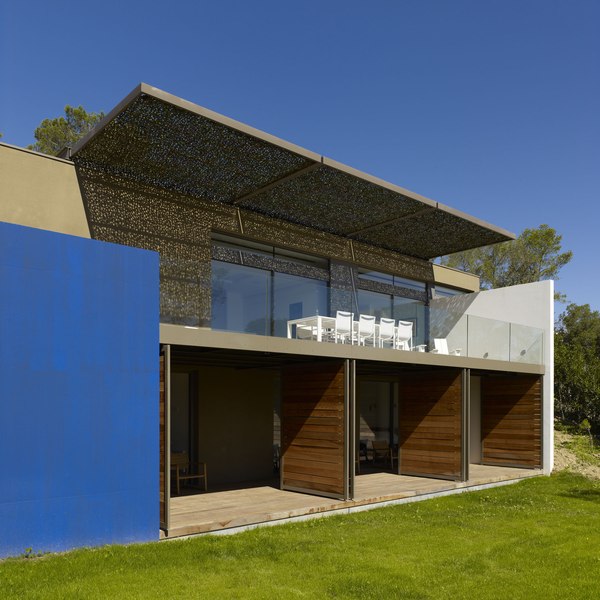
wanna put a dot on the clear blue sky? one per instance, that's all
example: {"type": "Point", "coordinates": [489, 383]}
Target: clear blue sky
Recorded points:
{"type": "Point", "coordinates": [492, 107]}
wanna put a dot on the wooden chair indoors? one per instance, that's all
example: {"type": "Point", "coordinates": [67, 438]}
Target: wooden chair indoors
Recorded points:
{"type": "Point", "coordinates": [382, 452]}
{"type": "Point", "coordinates": [186, 470]}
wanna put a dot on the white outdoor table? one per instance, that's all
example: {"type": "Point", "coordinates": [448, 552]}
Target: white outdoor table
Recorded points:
{"type": "Point", "coordinates": [318, 322]}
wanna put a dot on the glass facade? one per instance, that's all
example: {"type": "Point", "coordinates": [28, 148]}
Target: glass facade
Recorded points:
{"type": "Point", "coordinates": [295, 297]}
{"type": "Point", "coordinates": [240, 298]}
{"type": "Point", "coordinates": [258, 289]}
{"type": "Point", "coordinates": [395, 307]}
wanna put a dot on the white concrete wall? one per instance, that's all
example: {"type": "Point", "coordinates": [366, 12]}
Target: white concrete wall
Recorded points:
{"type": "Point", "coordinates": [530, 305]}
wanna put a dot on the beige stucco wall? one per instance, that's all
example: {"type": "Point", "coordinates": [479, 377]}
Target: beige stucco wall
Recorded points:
{"type": "Point", "coordinates": [455, 278]}
{"type": "Point", "coordinates": [40, 191]}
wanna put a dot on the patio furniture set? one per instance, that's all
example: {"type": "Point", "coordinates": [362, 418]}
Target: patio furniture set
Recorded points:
{"type": "Point", "coordinates": [343, 329]}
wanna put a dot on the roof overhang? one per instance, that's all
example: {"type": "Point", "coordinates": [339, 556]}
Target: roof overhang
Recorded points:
{"type": "Point", "coordinates": [158, 139]}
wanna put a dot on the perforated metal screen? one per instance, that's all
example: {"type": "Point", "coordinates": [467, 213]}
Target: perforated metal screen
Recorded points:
{"type": "Point", "coordinates": [159, 141]}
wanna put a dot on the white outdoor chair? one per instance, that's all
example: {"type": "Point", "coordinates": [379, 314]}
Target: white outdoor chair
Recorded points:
{"type": "Point", "coordinates": [342, 331]}
{"type": "Point", "coordinates": [387, 332]}
{"type": "Point", "coordinates": [441, 347]}
{"type": "Point", "coordinates": [366, 330]}
{"type": "Point", "coordinates": [404, 335]}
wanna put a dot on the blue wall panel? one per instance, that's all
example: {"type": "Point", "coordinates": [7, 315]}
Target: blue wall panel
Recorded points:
{"type": "Point", "coordinates": [79, 327]}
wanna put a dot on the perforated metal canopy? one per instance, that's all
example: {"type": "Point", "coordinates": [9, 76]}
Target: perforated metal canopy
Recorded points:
{"type": "Point", "coordinates": [158, 139]}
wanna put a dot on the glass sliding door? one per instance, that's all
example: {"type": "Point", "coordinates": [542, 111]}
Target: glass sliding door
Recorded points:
{"type": "Point", "coordinates": [240, 298]}
{"type": "Point", "coordinates": [374, 303]}
{"type": "Point", "coordinates": [406, 309]}
{"type": "Point", "coordinates": [295, 297]}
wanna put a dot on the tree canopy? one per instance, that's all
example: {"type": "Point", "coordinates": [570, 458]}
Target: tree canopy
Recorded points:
{"type": "Point", "coordinates": [53, 135]}
{"type": "Point", "coordinates": [577, 365]}
{"type": "Point", "coordinates": [535, 255]}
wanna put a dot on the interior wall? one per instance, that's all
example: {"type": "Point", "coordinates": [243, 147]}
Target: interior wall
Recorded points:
{"type": "Point", "coordinates": [180, 412]}
{"type": "Point", "coordinates": [373, 399]}
{"type": "Point", "coordinates": [475, 420]}
{"type": "Point", "coordinates": [235, 423]}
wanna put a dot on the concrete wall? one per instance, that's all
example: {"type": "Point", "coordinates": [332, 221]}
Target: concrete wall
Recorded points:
{"type": "Point", "coordinates": [530, 306]}
{"type": "Point", "coordinates": [79, 399]}
{"type": "Point", "coordinates": [235, 421]}
{"type": "Point", "coordinates": [455, 278]}
{"type": "Point", "coordinates": [40, 191]}
{"type": "Point", "coordinates": [475, 421]}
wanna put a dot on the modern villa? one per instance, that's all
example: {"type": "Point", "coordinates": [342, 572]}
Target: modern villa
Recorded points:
{"type": "Point", "coordinates": [204, 328]}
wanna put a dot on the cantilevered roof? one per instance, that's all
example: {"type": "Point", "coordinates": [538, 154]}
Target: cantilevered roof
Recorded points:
{"type": "Point", "coordinates": [158, 139]}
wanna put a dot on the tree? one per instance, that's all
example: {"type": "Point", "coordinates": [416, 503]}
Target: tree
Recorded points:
{"type": "Point", "coordinates": [577, 365]}
{"type": "Point", "coordinates": [579, 327]}
{"type": "Point", "coordinates": [535, 255]}
{"type": "Point", "coordinates": [53, 135]}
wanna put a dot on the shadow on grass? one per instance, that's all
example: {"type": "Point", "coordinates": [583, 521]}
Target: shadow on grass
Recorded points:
{"type": "Point", "coordinates": [581, 494]}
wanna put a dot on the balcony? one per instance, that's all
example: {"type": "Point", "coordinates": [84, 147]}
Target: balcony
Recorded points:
{"type": "Point", "coordinates": [468, 335]}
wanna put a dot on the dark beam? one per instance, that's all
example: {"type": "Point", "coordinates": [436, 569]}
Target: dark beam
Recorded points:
{"type": "Point", "coordinates": [276, 182]}
{"type": "Point", "coordinates": [394, 220]}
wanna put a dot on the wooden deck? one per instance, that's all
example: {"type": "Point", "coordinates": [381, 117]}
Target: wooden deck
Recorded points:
{"type": "Point", "coordinates": [203, 513]}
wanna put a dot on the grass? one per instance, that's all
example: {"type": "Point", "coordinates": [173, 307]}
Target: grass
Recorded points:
{"type": "Point", "coordinates": [536, 539]}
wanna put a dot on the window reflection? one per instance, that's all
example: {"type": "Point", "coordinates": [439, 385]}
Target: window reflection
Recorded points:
{"type": "Point", "coordinates": [295, 297]}
{"type": "Point", "coordinates": [240, 298]}
{"type": "Point", "coordinates": [396, 307]}
{"type": "Point", "coordinates": [259, 301]}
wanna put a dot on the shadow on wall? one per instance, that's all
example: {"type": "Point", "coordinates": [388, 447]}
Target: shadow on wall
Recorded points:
{"type": "Point", "coordinates": [447, 314]}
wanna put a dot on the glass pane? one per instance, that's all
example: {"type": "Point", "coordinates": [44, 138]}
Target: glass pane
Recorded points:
{"type": "Point", "coordinates": [406, 309]}
{"type": "Point", "coordinates": [295, 297]}
{"type": "Point", "coordinates": [409, 283]}
{"type": "Point", "coordinates": [374, 303]}
{"type": "Point", "coordinates": [240, 298]}
{"type": "Point", "coordinates": [446, 292]}
{"type": "Point", "coordinates": [526, 344]}
{"type": "Point", "coordinates": [375, 276]}
{"type": "Point", "coordinates": [488, 338]}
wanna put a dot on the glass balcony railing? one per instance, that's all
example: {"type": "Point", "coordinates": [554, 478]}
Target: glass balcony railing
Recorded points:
{"type": "Point", "coordinates": [478, 337]}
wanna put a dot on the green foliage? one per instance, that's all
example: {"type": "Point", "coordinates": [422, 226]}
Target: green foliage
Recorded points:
{"type": "Point", "coordinates": [577, 365]}
{"type": "Point", "coordinates": [580, 326]}
{"type": "Point", "coordinates": [582, 446]}
{"type": "Point", "coordinates": [535, 539]}
{"type": "Point", "coordinates": [535, 255]}
{"type": "Point", "coordinates": [53, 135]}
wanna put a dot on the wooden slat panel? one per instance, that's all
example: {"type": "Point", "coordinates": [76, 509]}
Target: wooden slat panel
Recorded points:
{"type": "Point", "coordinates": [511, 422]}
{"type": "Point", "coordinates": [312, 428]}
{"type": "Point", "coordinates": [430, 423]}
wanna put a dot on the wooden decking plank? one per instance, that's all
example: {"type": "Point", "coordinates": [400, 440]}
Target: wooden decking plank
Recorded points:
{"type": "Point", "coordinates": [213, 511]}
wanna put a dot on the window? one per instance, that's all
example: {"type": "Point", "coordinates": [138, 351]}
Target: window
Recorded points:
{"type": "Point", "coordinates": [395, 280]}
{"type": "Point", "coordinates": [446, 292]}
{"type": "Point", "coordinates": [257, 288]}
{"type": "Point", "coordinates": [240, 298]}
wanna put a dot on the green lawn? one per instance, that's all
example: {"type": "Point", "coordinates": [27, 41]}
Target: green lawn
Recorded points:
{"type": "Point", "coordinates": [536, 539]}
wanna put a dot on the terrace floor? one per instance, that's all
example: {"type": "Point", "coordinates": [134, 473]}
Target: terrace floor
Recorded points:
{"type": "Point", "coordinates": [221, 510]}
